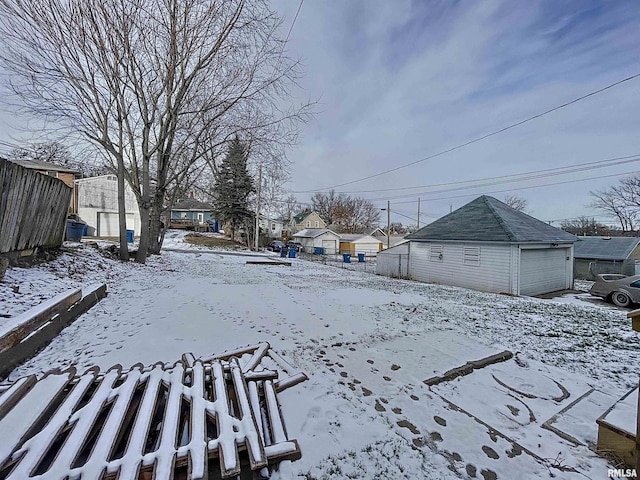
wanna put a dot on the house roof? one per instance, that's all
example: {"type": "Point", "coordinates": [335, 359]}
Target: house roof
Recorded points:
{"type": "Point", "coordinates": [192, 204]}
{"type": "Point", "coordinates": [605, 248]}
{"type": "Point", "coordinates": [358, 237]}
{"type": "Point", "coordinates": [299, 218]}
{"type": "Point", "coordinates": [487, 219]}
{"type": "Point", "coordinates": [42, 165]}
{"type": "Point", "coordinates": [314, 232]}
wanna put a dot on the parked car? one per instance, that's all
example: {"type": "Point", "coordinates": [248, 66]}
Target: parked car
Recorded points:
{"type": "Point", "coordinates": [276, 246]}
{"type": "Point", "coordinates": [295, 245]}
{"type": "Point", "coordinates": [619, 289]}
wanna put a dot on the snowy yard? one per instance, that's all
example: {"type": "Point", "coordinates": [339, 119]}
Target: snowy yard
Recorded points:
{"type": "Point", "coordinates": [366, 343]}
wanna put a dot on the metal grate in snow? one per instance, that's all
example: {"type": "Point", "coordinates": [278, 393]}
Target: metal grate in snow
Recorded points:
{"type": "Point", "coordinates": [149, 421]}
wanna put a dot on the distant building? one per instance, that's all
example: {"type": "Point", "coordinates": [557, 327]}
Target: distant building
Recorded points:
{"type": "Point", "coordinates": [67, 175]}
{"type": "Point", "coordinates": [306, 219]}
{"type": "Point", "coordinates": [596, 255]}
{"type": "Point", "coordinates": [192, 214]}
{"type": "Point", "coordinates": [98, 206]}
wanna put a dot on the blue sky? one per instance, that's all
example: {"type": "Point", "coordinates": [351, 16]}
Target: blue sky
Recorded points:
{"type": "Point", "coordinates": [402, 80]}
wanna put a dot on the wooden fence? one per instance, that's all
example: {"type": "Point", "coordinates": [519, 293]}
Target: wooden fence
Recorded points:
{"type": "Point", "coordinates": [33, 209]}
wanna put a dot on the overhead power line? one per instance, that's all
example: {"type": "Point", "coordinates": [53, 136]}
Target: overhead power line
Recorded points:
{"type": "Point", "coordinates": [525, 177]}
{"type": "Point", "coordinates": [478, 139]}
{"type": "Point", "coordinates": [431, 199]}
{"type": "Point", "coordinates": [517, 177]}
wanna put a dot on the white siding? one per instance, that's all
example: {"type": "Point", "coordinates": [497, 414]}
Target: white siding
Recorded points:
{"type": "Point", "coordinates": [544, 270]}
{"type": "Point", "coordinates": [394, 262]}
{"type": "Point", "coordinates": [98, 197]}
{"type": "Point", "coordinates": [491, 275]}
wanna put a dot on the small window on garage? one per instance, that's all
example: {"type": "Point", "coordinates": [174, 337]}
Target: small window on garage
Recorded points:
{"type": "Point", "coordinates": [308, 223]}
{"type": "Point", "coordinates": [471, 256]}
{"type": "Point", "coordinates": [273, 226]}
{"type": "Point", "coordinates": [435, 253]}
{"type": "Point", "coordinates": [317, 224]}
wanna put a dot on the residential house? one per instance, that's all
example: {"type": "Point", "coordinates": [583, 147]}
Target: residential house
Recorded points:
{"type": "Point", "coordinates": [394, 238]}
{"type": "Point", "coordinates": [98, 206]}
{"type": "Point", "coordinates": [306, 219]}
{"type": "Point", "coordinates": [272, 227]}
{"type": "Point", "coordinates": [67, 175]}
{"type": "Point", "coordinates": [596, 255]}
{"type": "Point", "coordinates": [318, 240]}
{"type": "Point", "coordinates": [192, 214]}
{"type": "Point", "coordinates": [355, 243]}
{"type": "Point", "coordinates": [487, 245]}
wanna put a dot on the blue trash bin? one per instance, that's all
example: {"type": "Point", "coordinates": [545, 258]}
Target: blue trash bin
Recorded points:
{"type": "Point", "coordinates": [74, 231]}
{"type": "Point", "coordinates": [361, 258]}
{"type": "Point", "coordinates": [283, 252]}
{"type": "Point", "coordinates": [84, 229]}
{"type": "Point", "coordinates": [292, 253]}
{"type": "Point", "coordinates": [130, 236]}
{"type": "Point", "coordinates": [346, 257]}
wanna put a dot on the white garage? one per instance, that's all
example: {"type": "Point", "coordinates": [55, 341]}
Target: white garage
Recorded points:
{"type": "Point", "coordinates": [544, 270]}
{"type": "Point", "coordinates": [108, 226]}
{"type": "Point", "coordinates": [487, 245]}
{"type": "Point", "coordinates": [318, 238]}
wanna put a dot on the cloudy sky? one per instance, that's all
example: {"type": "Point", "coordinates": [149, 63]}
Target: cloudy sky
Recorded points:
{"type": "Point", "coordinates": [402, 80]}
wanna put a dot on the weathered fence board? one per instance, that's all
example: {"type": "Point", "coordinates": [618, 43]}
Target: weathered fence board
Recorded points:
{"type": "Point", "coordinates": [33, 208]}
{"type": "Point", "coordinates": [146, 422]}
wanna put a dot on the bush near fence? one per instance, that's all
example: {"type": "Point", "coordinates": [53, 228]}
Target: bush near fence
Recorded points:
{"type": "Point", "coordinates": [33, 209]}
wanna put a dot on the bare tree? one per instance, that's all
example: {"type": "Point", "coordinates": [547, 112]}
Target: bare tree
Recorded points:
{"type": "Point", "coordinates": [585, 226]}
{"type": "Point", "coordinates": [85, 161]}
{"type": "Point", "coordinates": [157, 84]}
{"type": "Point", "coordinates": [515, 202]}
{"type": "Point", "coordinates": [345, 213]}
{"type": "Point", "coordinates": [329, 205]}
{"type": "Point", "coordinates": [617, 202]}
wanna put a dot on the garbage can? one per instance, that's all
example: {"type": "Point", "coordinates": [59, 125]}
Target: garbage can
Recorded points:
{"type": "Point", "coordinates": [346, 257]}
{"type": "Point", "coordinates": [74, 231]}
{"type": "Point", "coordinates": [292, 253]}
{"type": "Point", "coordinates": [283, 252]}
{"type": "Point", "coordinates": [318, 250]}
{"type": "Point", "coordinates": [130, 236]}
{"type": "Point", "coordinates": [360, 257]}
{"type": "Point", "coordinates": [84, 229]}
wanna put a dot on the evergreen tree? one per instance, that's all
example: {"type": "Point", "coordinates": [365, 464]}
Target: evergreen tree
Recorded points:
{"type": "Point", "coordinates": [233, 187]}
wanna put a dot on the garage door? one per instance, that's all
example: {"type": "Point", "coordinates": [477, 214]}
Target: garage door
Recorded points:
{"type": "Point", "coordinates": [543, 270]}
{"type": "Point", "coordinates": [108, 224]}
{"type": "Point", "coordinates": [329, 247]}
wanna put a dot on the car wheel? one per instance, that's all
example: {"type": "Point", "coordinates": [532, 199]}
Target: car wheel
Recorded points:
{"type": "Point", "coordinates": [620, 299]}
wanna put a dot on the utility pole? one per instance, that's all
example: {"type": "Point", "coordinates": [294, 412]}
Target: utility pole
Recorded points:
{"type": "Point", "coordinates": [418, 213]}
{"type": "Point", "coordinates": [257, 233]}
{"type": "Point", "coordinates": [388, 209]}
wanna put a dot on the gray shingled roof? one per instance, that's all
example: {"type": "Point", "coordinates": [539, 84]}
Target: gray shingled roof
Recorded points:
{"type": "Point", "coordinates": [313, 232]}
{"type": "Point", "coordinates": [192, 204]}
{"type": "Point", "coordinates": [487, 219]}
{"type": "Point", "coordinates": [605, 248]}
{"type": "Point", "coordinates": [42, 165]}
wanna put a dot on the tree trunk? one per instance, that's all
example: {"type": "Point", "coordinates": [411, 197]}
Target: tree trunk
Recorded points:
{"type": "Point", "coordinates": [155, 231]}
{"type": "Point", "coordinates": [122, 216]}
{"type": "Point", "coordinates": [145, 214]}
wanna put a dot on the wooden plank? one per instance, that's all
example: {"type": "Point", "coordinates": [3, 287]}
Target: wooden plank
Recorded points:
{"type": "Point", "coordinates": [267, 262]}
{"type": "Point", "coordinates": [254, 444]}
{"type": "Point", "coordinates": [29, 411]}
{"type": "Point", "coordinates": [17, 328]}
{"type": "Point", "coordinates": [227, 452]}
{"type": "Point", "coordinates": [14, 394]}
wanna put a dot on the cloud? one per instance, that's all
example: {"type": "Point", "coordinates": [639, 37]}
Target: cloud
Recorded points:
{"type": "Point", "coordinates": [403, 80]}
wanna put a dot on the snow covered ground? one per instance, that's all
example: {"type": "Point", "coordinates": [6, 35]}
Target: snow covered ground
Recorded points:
{"type": "Point", "coordinates": [367, 343]}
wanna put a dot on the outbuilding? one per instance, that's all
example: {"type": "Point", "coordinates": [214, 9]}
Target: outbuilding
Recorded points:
{"type": "Point", "coordinates": [98, 206]}
{"type": "Point", "coordinates": [355, 243]}
{"type": "Point", "coordinates": [596, 255]}
{"type": "Point", "coordinates": [487, 245]}
{"type": "Point", "coordinates": [318, 238]}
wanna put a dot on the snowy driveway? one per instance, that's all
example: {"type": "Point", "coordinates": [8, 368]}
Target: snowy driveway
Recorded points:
{"type": "Point", "coordinates": [367, 343]}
